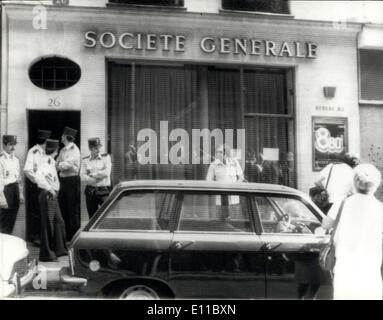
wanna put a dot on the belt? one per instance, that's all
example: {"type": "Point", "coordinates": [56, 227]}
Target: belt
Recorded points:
{"type": "Point", "coordinates": [11, 184]}
{"type": "Point", "coordinates": [72, 176]}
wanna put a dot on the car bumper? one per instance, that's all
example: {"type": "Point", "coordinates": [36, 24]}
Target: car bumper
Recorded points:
{"type": "Point", "coordinates": [68, 279]}
{"type": "Point", "coordinates": [14, 287]}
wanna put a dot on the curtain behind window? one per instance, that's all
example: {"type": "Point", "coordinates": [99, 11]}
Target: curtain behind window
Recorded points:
{"type": "Point", "coordinates": [224, 86]}
{"type": "Point", "coordinates": [195, 97]}
{"type": "Point", "coordinates": [265, 93]}
{"type": "Point", "coordinates": [161, 93]}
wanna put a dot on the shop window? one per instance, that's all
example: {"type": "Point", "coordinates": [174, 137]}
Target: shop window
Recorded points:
{"type": "Point", "coordinates": [54, 73]}
{"type": "Point", "coordinates": [271, 6]}
{"type": "Point", "coordinates": [188, 97]}
{"type": "Point", "coordinates": [171, 3]}
{"type": "Point", "coordinates": [371, 74]}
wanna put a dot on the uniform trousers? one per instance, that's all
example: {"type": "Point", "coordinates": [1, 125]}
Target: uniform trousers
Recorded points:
{"type": "Point", "coordinates": [33, 215]}
{"type": "Point", "coordinates": [95, 197]}
{"type": "Point", "coordinates": [8, 216]}
{"type": "Point", "coordinates": [53, 240]}
{"type": "Point", "coordinates": [69, 202]}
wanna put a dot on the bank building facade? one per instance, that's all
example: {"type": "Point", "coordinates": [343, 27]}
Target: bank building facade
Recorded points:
{"type": "Point", "coordinates": [130, 71]}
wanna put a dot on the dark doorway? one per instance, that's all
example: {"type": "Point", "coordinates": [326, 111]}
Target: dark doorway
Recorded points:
{"type": "Point", "coordinates": [54, 121]}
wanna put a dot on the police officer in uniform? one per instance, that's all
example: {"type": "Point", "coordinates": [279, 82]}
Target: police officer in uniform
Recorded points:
{"type": "Point", "coordinates": [68, 165]}
{"type": "Point", "coordinates": [34, 159]}
{"type": "Point", "coordinates": [95, 171]}
{"type": "Point", "coordinates": [53, 239]}
{"type": "Point", "coordinates": [11, 193]}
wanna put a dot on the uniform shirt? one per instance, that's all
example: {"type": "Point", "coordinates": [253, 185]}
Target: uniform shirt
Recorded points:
{"type": "Point", "coordinates": [35, 157]}
{"type": "Point", "coordinates": [102, 165]}
{"type": "Point", "coordinates": [9, 170]}
{"type": "Point", "coordinates": [229, 172]}
{"type": "Point", "coordinates": [46, 175]}
{"type": "Point", "coordinates": [68, 161]}
{"type": "Point", "coordinates": [341, 183]}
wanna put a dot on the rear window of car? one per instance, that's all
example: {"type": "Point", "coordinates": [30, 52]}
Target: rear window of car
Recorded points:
{"type": "Point", "coordinates": [138, 211]}
{"type": "Point", "coordinates": [215, 213]}
{"type": "Point", "coordinates": [283, 214]}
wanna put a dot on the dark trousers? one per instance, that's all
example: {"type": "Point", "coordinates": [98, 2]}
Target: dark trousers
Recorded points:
{"type": "Point", "coordinates": [53, 240]}
{"type": "Point", "coordinates": [33, 215]}
{"type": "Point", "coordinates": [69, 202]}
{"type": "Point", "coordinates": [8, 216]}
{"type": "Point", "coordinates": [95, 196]}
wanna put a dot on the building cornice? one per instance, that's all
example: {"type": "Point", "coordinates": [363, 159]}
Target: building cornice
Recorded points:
{"type": "Point", "coordinates": [111, 13]}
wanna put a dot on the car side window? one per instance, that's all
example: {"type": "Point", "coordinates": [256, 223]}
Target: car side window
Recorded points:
{"type": "Point", "coordinates": [286, 215]}
{"type": "Point", "coordinates": [214, 213]}
{"type": "Point", "coordinates": [139, 211]}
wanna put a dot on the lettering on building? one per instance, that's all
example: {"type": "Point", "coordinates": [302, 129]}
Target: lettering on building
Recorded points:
{"type": "Point", "coordinates": [208, 45]}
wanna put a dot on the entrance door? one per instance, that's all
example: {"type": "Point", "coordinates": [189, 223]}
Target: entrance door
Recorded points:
{"type": "Point", "coordinates": [54, 121]}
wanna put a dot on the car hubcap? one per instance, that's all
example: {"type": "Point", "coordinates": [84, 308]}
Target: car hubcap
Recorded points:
{"type": "Point", "coordinates": [139, 293]}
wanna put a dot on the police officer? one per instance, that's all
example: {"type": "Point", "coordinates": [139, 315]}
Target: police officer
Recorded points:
{"type": "Point", "coordinates": [34, 159]}
{"type": "Point", "coordinates": [95, 171]}
{"type": "Point", "coordinates": [52, 224]}
{"type": "Point", "coordinates": [68, 165]}
{"type": "Point", "coordinates": [11, 193]}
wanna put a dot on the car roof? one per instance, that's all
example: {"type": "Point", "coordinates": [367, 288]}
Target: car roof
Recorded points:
{"type": "Point", "coordinates": [207, 185]}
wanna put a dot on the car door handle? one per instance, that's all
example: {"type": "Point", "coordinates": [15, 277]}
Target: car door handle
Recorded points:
{"type": "Point", "coordinates": [182, 245]}
{"type": "Point", "coordinates": [271, 245]}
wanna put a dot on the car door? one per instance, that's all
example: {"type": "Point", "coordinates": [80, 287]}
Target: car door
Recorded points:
{"type": "Point", "coordinates": [292, 237]}
{"type": "Point", "coordinates": [132, 238]}
{"type": "Point", "coordinates": [215, 252]}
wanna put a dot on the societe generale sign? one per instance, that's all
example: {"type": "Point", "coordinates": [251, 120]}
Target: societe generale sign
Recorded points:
{"type": "Point", "coordinates": [207, 44]}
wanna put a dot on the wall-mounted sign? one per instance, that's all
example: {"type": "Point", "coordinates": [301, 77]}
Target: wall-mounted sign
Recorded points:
{"type": "Point", "coordinates": [207, 44]}
{"type": "Point", "coordinates": [329, 108]}
{"type": "Point", "coordinates": [330, 139]}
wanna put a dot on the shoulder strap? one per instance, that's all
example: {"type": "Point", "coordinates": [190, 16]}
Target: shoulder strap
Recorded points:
{"type": "Point", "coordinates": [337, 220]}
{"type": "Point", "coordinates": [329, 176]}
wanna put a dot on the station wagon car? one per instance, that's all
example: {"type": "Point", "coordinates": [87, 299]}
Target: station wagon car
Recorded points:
{"type": "Point", "coordinates": [199, 239]}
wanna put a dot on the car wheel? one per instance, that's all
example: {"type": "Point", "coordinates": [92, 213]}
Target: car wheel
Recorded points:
{"type": "Point", "coordinates": [137, 292]}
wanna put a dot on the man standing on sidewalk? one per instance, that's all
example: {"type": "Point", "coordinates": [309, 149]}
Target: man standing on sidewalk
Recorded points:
{"type": "Point", "coordinates": [11, 192]}
{"type": "Point", "coordinates": [95, 171]}
{"type": "Point", "coordinates": [68, 164]}
{"type": "Point", "coordinates": [34, 159]}
{"type": "Point", "coordinates": [52, 224]}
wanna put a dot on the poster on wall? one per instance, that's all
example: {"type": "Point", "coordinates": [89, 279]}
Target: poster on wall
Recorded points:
{"type": "Point", "coordinates": [330, 139]}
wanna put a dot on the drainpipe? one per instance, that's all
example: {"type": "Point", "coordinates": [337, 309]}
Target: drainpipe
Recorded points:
{"type": "Point", "coordinates": [358, 59]}
{"type": "Point", "coordinates": [3, 72]}
{"type": "Point", "coordinates": [1, 69]}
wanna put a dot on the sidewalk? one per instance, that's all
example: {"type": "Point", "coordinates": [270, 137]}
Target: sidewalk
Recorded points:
{"type": "Point", "coordinates": [52, 268]}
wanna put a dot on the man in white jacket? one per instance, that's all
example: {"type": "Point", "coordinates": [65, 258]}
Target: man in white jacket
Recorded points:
{"type": "Point", "coordinates": [53, 242]}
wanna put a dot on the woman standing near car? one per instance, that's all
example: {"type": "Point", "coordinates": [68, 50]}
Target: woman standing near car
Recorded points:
{"type": "Point", "coordinates": [337, 177]}
{"type": "Point", "coordinates": [358, 239]}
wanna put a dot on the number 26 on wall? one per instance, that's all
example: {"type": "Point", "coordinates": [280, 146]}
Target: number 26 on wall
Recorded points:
{"type": "Point", "coordinates": [54, 102]}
